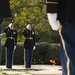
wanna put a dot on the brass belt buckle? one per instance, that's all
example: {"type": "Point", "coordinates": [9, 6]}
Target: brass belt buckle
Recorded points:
{"type": "Point", "coordinates": [30, 38]}
{"type": "Point", "coordinates": [11, 37]}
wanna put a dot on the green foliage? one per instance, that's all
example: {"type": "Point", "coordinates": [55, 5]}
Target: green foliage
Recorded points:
{"type": "Point", "coordinates": [45, 52]}
{"type": "Point", "coordinates": [35, 12]}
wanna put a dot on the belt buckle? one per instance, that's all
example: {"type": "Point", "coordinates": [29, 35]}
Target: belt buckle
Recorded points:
{"type": "Point", "coordinates": [11, 37]}
{"type": "Point", "coordinates": [30, 38]}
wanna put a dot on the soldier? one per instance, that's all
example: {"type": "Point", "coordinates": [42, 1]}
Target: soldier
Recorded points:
{"type": "Point", "coordinates": [4, 12]}
{"type": "Point", "coordinates": [1, 19]}
{"type": "Point", "coordinates": [29, 45]}
{"type": "Point", "coordinates": [10, 44]}
{"type": "Point", "coordinates": [61, 16]}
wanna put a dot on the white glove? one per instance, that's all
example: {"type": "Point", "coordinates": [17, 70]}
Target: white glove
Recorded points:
{"type": "Point", "coordinates": [55, 24]}
{"type": "Point", "coordinates": [14, 47]}
{"type": "Point", "coordinates": [2, 34]}
{"type": "Point", "coordinates": [34, 48]}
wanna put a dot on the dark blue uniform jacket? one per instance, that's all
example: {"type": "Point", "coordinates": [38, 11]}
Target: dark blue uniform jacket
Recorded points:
{"type": "Point", "coordinates": [29, 38]}
{"type": "Point", "coordinates": [64, 8]}
{"type": "Point", "coordinates": [11, 37]}
{"type": "Point", "coordinates": [5, 8]}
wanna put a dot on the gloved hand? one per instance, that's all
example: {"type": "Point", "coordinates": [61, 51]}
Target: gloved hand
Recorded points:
{"type": "Point", "coordinates": [14, 47]}
{"type": "Point", "coordinates": [55, 24]}
{"type": "Point", "coordinates": [34, 48]}
{"type": "Point", "coordinates": [2, 34]}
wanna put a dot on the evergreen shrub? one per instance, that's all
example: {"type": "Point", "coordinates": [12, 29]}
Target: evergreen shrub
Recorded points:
{"type": "Point", "coordinates": [43, 53]}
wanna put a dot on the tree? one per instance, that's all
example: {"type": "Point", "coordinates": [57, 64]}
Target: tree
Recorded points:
{"type": "Point", "coordinates": [35, 12]}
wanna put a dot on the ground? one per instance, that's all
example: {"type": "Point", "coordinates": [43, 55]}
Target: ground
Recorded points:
{"type": "Point", "coordinates": [35, 70]}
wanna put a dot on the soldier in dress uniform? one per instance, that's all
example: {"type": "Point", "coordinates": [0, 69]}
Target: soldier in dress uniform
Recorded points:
{"type": "Point", "coordinates": [61, 16]}
{"type": "Point", "coordinates": [4, 12]}
{"type": "Point", "coordinates": [10, 44]}
{"type": "Point", "coordinates": [1, 20]}
{"type": "Point", "coordinates": [29, 45]}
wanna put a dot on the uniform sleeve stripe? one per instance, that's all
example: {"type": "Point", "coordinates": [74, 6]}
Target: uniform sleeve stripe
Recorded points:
{"type": "Point", "coordinates": [52, 2]}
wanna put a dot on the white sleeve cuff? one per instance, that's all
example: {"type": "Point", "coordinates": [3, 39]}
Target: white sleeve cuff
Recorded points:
{"type": "Point", "coordinates": [55, 24]}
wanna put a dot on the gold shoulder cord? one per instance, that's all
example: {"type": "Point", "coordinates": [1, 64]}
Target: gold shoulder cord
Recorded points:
{"type": "Point", "coordinates": [52, 2]}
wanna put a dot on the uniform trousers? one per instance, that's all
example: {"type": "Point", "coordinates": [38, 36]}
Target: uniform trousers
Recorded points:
{"type": "Point", "coordinates": [67, 34]}
{"type": "Point", "coordinates": [0, 39]}
{"type": "Point", "coordinates": [9, 57]}
{"type": "Point", "coordinates": [28, 57]}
